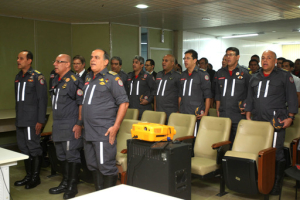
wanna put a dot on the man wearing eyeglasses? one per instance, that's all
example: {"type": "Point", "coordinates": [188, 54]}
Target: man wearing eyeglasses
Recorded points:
{"type": "Point", "coordinates": [31, 107]}
{"type": "Point", "coordinates": [66, 96]}
{"type": "Point", "coordinates": [79, 66]}
{"type": "Point", "coordinates": [149, 66]}
{"type": "Point", "coordinates": [231, 90]}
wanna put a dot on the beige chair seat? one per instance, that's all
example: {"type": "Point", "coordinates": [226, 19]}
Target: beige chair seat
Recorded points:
{"type": "Point", "coordinates": [202, 166]}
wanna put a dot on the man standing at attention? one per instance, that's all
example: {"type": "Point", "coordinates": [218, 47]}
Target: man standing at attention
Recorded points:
{"type": "Point", "coordinates": [79, 66]}
{"type": "Point", "coordinates": [31, 107]}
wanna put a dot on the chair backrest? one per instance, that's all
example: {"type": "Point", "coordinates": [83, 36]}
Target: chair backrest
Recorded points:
{"type": "Point", "coordinates": [132, 113]}
{"type": "Point", "coordinates": [184, 124]}
{"type": "Point", "coordinates": [49, 124]}
{"type": "Point", "coordinates": [212, 112]}
{"type": "Point", "coordinates": [211, 130]}
{"type": "Point", "coordinates": [125, 133]}
{"type": "Point", "coordinates": [154, 117]}
{"type": "Point", "coordinates": [253, 136]}
{"type": "Point", "coordinates": [293, 131]}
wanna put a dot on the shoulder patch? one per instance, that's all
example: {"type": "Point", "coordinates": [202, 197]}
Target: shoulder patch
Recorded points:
{"type": "Point", "coordinates": [73, 77]}
{"type": "Point", "coordinates": [291, 80]}
{"type": "Point", "coordinates": [112, 73]}
{"type": "Point", "coordinates": [37, 72]}
{"type": "Point", "coordinates": [41, 77]}
{"type": "Point", "coordinates": [206, 77]}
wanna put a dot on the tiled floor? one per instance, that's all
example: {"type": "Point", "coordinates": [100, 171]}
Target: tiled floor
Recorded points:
{"type": "Point", "coordinates": [201, 189]}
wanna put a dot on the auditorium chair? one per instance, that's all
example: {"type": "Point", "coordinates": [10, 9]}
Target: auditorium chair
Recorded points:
{"type": "Point", "coordinates": [291, 133]}
{"type": "Point", "coordinates": [154, 117]}
{"type": "Point", "coordinates": [212, 112]}
{"type": "Point", "coordinates": [123, 135]}
{"type": "Point", "coordinates": [211, 144]}
{"type": "Point", "coordinates": [184, 124]}
{"type": "Point", "coordinates": [132, 113]}
{"type": "Point", "coordinates": [249, 168]}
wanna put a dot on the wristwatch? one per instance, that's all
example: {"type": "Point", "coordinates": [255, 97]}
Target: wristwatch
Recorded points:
{"type": "Point", "coordinates": [292, 117]}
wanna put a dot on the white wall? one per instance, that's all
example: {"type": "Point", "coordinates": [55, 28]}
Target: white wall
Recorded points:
{"type": "Point", "coordinates": [214, 48]}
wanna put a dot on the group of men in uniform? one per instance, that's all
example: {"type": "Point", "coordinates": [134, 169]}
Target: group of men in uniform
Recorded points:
{"type": "Point", "coordinates": [99, 102]}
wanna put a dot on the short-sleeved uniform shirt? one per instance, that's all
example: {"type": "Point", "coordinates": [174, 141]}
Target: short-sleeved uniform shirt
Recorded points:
{"type": "Point", "coordinates": [102, 96]}
{"type": "Point", "coordinates": [167, 91]}
{"type": "Point", "coordinates": [195, 88]}
{"type": "Point", "coordinates": [66, 96]}
{"type": "Point", "coordinates": [31, 98]}
{"type": "Point", "coordinates": [230, 90]}
{"type": "Point", "coordinates": [271, 93]}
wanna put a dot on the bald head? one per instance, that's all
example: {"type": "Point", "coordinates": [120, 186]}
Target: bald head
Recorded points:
{"type": "Point", "coordinates": [168, 63]}
{"type": "Point", "coordinates": [268, 61]}
{"type": "Point", "coordinates": [62, 64]}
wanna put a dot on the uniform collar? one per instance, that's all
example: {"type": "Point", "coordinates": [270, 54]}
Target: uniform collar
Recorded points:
{"type": "Point", "coordinates": [275, 70]}
{"type": "Point", "coordinates": [103, 72]}
{"type": "Point", "coordinates": [236, 67]}
{"type": "Point", "coordinates": [170, 72]}
{"type": "Point", "coordinates": [29, 71]}
{"type": "Point", "coordinates": [66, 75]}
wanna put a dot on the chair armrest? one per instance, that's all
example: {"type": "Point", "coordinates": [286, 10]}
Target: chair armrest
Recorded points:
{"type": "Point", "coordinates": [266, 170]}
{"type": "Point", "coordinates": [46, 133]}
{"type": "Point", "coordinates": [185, 138]}
{"type": "Point", "coordinates": [294, 151]}
{"type": "Point", "coordinates": [217, 145]}
{"type": "Point", "coordinates": [124, 151]}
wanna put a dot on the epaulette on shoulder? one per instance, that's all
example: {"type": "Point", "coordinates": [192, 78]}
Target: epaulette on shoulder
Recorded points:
{"type": "Point", "coordinates": [73, 78]}
{"type": "Point", "coordinates": [36, 71]}
{"type": "Point", "coordinates": [200, 69]}
{"type": "Point", "coordinates": [112, 73]}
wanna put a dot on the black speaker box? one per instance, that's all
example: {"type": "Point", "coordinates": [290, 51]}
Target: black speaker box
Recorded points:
{"type": "Point", "coordinates": [166, 171]}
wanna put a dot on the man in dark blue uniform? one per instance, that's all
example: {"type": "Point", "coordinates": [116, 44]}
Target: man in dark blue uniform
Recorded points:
{"type": "Point", "coordinates": [66, 96]}
{"type": "Point", "coordinates": [103, 108]}
{"type": "Point", "coordinates": [31, 107]}
{"type": "Point", "coordinates": [270, 91]}
{"type": "Point", "coordinates": [116, 66]}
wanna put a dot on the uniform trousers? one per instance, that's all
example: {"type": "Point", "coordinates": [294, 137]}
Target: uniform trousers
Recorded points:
{"type": "Point", "coordinates": [28, 141]}
{"type": "Point", "coordinates": [278, 142]}
{"type": "Point", "coordinates": [69, 150]}
{"type": "Point", "coordinates": [101, 155]}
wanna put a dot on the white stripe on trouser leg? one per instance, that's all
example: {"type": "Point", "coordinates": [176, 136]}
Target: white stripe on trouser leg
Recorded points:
{"type": "Point", "coordinates": [18, 94]}
{"type": "Point", "coordinates": [91, 95]}
{"type": "Point", "coordinates": [163, 92]}
{"type": "Point", "coordinates": [68, 145]}
{"type": "Point", "coordinates": [274, 139]}
{"type": "Point", "coordinates": [184, 86]}
{"type": "Point", "coordinates": [190, 89]}
{"type": "Point", "coordinates": [28, 132]}
{"type": "Point", "coordinates": [259, 87]}
{"type": "Point", "coordinates": [195, 131]}
{"type": "Point", "coordinates": [55, 107]}
{"type": "Point", "coordinates": [23, 91]}
{"type": "Point", "coordinates": [85, 93]}
{"type": "Point", "coordinates": [225, 87]}
{"type": "Point", "coordinates": [53, 97]}
{"type": "Point", "coordinates": [137, 88]}
{"type": "Point", "coordinates": [158, 87]}
{"type": "Point", "coordinates": [233, 87]}
{"type": "Point", "coordinates": [131, 87]}
{"type": "Point", "coordinates": [267, 88]}
{"type": "Point", "coordinates": [101, 153]}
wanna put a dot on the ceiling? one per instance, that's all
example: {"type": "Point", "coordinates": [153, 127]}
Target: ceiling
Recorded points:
{"type": "Point", "coordinates": [227, 17]}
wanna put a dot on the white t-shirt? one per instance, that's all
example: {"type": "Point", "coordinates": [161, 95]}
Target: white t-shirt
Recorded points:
{"type": "Point", "coordinates": [297, 82]}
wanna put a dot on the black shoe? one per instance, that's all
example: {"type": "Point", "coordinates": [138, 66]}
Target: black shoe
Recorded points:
{"type": "Point", "coordinates": [35, 170]}
{"type": "Point", "coordinates": [279, 175]}
{"type": "Point", "coordinates": [110, 180]}
{"type": "Point", "coordinates": [71, 190]}
{"type": "Point", "coordinates": [98, 180]}
{"type": "Point", "coordinates": [27, 178]}
{"type": "Point", "coordinates": [62, 187]}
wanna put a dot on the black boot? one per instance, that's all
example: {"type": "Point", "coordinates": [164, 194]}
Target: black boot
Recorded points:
{"type": "Point", "coordinates": [279, 175]}
{"type": "Point", "coordinates": [110, 180]}
{"type": "Point", "coordinates": [71, 190]}
{"type": "Point", "coordinates": [35, 170]}
{"type": "Point", "coordinates": [27, 178]}
{"type": "Point", "coordinates": [98, 180]}
{"type": "Point", "coordinates": [63, 184]}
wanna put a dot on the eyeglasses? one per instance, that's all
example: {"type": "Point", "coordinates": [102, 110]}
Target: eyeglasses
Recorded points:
{"type": "Point", "coordinates": [230, 55]}
{"type": "Point", "coordinates": [188, 58]}
{"type": "Point", "coordinates": [76, 63]}
{"type": "Point", "coordinates": [147, 65]}
{"type": "Point", "coordinates": [59, 61]}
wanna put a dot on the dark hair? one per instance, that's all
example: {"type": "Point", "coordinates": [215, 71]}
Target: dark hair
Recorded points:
{"type": "Point", "coordinates": [176, 62]}
{"type": "Point", "coordinates": [151, 61]}
{"type": "Point", "coordinates": [253, 60]}
{"type": "Point", "coordinates": [255, 56]}
{"type": "Point", "coordinates": [281, 58]}
{"type": "Point", "coordinates": [290, 63]}
{"type": "Point", "coordinates": [210, 65]}
{"type": "Point", "coordinates": [236, 50]}
{"type": "Point", "coordinates": [81, 58]}
{"type": "Point", "coordinates": [193, 52]}
{"type": "Point", "coordinates": [297, 59]}
{"type": "Point", "coordinates": [29, 55]}
{"type": "Point", "coordinates": [116, 58]}
{"type": "Point", "coordinates": [180, 66]}
{"type": "Point", "coordinates": [205, 59]}
{"type": "Point", "coordinates": [106, 56]}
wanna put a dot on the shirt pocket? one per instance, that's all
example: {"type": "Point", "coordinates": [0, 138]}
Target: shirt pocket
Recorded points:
{"type": "Point", "coordinates": [275, 87]}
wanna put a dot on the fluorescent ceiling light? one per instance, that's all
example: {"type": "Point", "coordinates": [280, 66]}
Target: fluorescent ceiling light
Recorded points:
{"type": "Point", "coordinates": [144, 43]}
{"type": "Point", "coordinates": [238, 36]}
{"type": "Point", "coordinates": [205, 18]}
{"type": "Point", "coordinates": [141, 6]}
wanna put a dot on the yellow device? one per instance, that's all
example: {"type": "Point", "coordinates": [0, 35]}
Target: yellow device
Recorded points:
{"type": "Point", "coordinates": [152, 132]}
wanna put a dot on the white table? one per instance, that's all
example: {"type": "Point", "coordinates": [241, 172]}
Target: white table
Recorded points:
{"type": "Point", "coordinates": [125, 192]}
{"type": "Point", "coordinates": [7, 158]}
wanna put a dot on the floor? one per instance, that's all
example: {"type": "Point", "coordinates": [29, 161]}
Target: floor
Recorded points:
{"type": "Point", "coordinates": [201, 189]}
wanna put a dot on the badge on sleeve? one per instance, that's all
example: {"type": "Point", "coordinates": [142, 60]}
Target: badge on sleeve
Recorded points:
{"type": "Point", "coordinates": [41, 77]}
{"type": "Point", "coordinates": [120, 82]}
{"type": "Point", "coordinates": [79, 92]}
{"type": "Point", "coordinates": [291, 80]}
{"type": "Point", "coordinates": [206, 77]}
{"type": "Point", "coordinates": [145, 75]}
{"type": "Point", "coordinates": [42, 82]}
{"type": "Point", "coordinates": [52, 76]}
{"type": "Point", "coordinates": [117, 78]}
